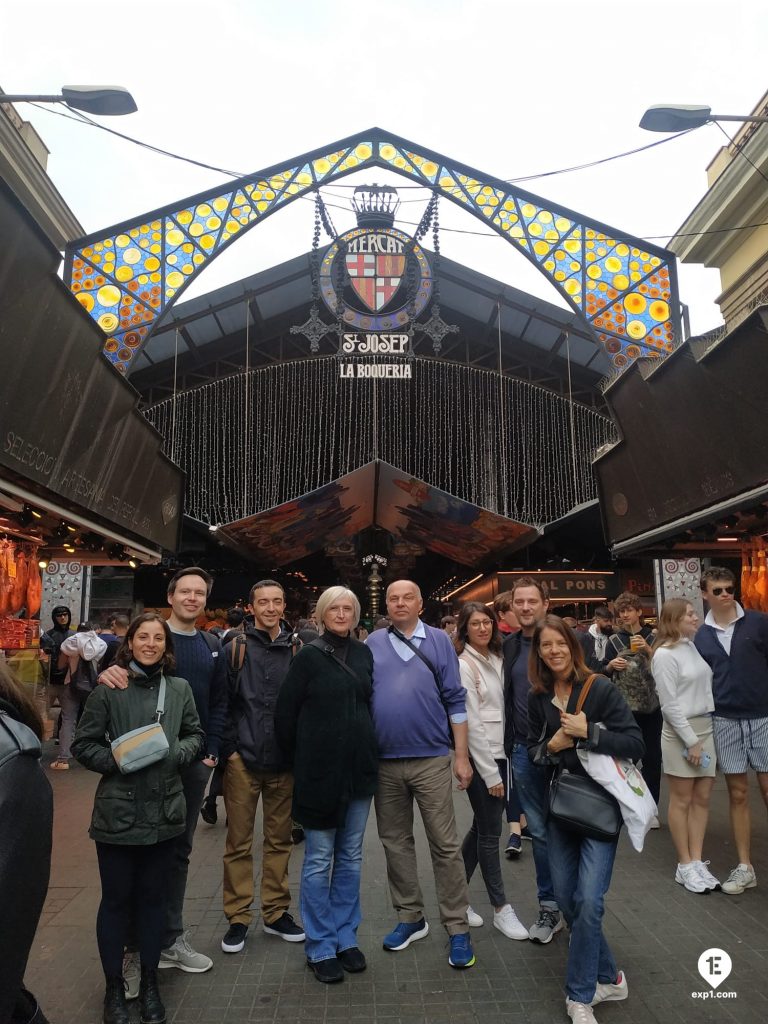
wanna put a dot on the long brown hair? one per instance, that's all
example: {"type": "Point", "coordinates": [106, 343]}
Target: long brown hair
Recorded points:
{"type": "Point", "coordinates": [462, 633]}
{"type": "Point", "coordinates": [15, 694]}
{"type": "Point", "coordinates": [669, 631]}
{"type": "Point", "coordinates": [542, 680]}
{"type": "Point", "coordinates": [123, 657]}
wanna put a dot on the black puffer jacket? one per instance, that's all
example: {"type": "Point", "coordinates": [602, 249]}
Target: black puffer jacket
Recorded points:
{"type": "Point", "coordinates": [253, 691]}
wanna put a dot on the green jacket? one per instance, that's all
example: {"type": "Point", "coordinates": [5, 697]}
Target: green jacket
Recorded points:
{"type": "Point", "coordinates": [148, 806]}
{"type": "Point", "coordinates": [323, 723]}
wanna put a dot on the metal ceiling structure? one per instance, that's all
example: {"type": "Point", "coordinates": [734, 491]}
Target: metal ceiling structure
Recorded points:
{"type": "Point", "coordinates": [499, 327]}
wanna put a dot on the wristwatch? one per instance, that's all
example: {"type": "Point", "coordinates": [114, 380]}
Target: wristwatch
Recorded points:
{"type": "Point", "coordinates": [212, 757]}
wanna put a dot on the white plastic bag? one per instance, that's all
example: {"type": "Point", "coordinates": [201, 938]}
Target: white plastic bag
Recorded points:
{"type": "Point", "coordinates": [623, 780]}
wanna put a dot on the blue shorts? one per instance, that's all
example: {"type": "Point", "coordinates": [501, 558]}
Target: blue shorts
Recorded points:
{"type": "Point", "coordinates": [741, 743]}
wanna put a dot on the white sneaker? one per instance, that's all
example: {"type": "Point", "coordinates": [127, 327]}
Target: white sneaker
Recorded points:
{"type": "Point", "coordinates": [580, 1013]}
{"type": "Point", "coordinates": [131, 975]}
{"type": "Point", "coordinates": [611, 993]}
{"type": "Point", "coordinates": [182, 955]}
{"type": "Point", "coordinates": [688, 875]}
{"type": "Point", "coordinates": [740, 878]}
{"type": "Point", "coordinates": [702, 866]}
{"type": "Point", "coordinates": [506, 920]}
{"type": "Point", "coordinates": [473, 918]}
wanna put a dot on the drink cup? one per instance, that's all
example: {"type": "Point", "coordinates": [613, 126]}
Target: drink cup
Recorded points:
{"type": "Point", "coordinates": [636, 642]}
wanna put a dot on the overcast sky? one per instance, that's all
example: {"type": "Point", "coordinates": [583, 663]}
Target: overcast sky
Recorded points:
{"type": "Point", "coordinates": [511, 88]}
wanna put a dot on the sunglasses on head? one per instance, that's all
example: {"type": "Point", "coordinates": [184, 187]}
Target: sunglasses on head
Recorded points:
{"type": "Point", "coordinates": [717, 591]}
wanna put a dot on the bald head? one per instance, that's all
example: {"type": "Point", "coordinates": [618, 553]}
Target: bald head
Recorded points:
{"type": "Point", "coordinates": [404, 604]}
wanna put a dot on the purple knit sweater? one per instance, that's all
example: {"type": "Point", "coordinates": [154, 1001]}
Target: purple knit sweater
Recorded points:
{"type": "Point", "coordinates": [408, 715]}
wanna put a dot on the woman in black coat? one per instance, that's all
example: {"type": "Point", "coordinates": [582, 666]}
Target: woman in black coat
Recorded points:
{"type": "Point", "coordinates": [581, 865]}
{"type": "Point", "coordinates": [323, 722]}
{"type": "Point", "coordinates": [26, 826]}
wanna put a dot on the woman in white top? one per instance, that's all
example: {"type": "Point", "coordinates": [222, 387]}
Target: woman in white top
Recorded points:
{"type": "Point", "coordinates": [478, 643]}
{"type": "Point", "coordinates": [684, 685]}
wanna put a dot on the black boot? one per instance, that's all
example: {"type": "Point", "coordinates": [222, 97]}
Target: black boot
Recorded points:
{"type": "Point", "coordinates": [115, 1008]}
{"type": "Point", "coordinates": [151, 1008]}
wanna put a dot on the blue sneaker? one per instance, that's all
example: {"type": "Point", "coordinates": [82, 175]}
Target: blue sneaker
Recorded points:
{"type": "Point", "coordinates": [514, 846]}
{"type": "Point", "coordinates": [404, 934]}
{"type": "Point", "coordinates": [461, 954]}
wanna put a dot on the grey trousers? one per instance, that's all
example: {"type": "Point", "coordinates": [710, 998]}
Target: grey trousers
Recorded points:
{"type": "Point", "coordinates": [195, 780]}
{"type": "Point", "coordinates": [428, 782]}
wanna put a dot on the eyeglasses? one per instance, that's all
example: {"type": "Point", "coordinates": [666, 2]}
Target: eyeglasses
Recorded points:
{"type": "Point", "coordinates": [717, 591]}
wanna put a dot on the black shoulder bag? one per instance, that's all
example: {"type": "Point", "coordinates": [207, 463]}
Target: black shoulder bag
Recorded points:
{"type": "Point", "coordinates": [329, 650]}
{"type": "Point", "coordinates": [420, 654]}
{"type": "Point", "coordinates": [579, 804]}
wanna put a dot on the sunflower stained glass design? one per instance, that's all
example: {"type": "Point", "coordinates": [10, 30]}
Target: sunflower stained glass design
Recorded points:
{"type": "Point", "coordinates": [625, 288]}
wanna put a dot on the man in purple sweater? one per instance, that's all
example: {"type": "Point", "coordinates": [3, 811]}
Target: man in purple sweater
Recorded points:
{"type": "Point", "coordinates": [417, 699]}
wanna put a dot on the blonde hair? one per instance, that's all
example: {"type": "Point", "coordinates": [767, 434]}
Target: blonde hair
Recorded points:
{"type": "Point", "coordinates": [329, 597]}
{"type": "Point", "coordinates": [669, 632]}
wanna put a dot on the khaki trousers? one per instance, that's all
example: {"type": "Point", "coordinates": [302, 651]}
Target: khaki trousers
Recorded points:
{"type": "Point", "coordinates": [428, 781]}
{"type": "Point", "coordinates": [242, 789]}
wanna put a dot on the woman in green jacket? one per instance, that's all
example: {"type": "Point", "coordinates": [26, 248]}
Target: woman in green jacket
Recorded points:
{"type": "Point", "coordinates": [137, 817]}
{"type": "Point", "coordinates": [323, 723]}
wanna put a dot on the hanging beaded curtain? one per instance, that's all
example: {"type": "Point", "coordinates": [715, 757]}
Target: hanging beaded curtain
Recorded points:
{"type": "Point", "coordinates": [445, 426]}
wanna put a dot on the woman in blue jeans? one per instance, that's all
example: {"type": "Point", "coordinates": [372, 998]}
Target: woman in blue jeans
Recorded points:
{"type": "Point", "coordinates": [581, 866]}
{"type": "Point", "coordinates": [323, 723]}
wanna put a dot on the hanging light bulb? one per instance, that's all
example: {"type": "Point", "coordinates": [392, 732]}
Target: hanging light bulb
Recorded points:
{"type": "Point", "coordinates": [133, 563]}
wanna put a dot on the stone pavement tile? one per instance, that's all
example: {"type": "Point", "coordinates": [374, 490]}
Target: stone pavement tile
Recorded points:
{"type": "Point", "coordinates": [656, 928]}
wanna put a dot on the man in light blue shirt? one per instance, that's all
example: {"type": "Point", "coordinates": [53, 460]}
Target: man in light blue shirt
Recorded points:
{"type": "Point", "coordinates": [418, 709]}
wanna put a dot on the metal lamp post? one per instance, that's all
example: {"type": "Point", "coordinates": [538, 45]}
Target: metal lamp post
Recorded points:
{"type": "Point", "coordinates": [680, 117]}
{"type": "Point", "coordinates": [108, 100]}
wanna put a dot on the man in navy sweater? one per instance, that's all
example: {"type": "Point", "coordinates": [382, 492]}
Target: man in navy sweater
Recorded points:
{"type": "Point", "coordinates": [734, 643]}
{"type": "Point", "coordinates": [417, 698]}
{"type": "Point", "coordinates": [199, 660]}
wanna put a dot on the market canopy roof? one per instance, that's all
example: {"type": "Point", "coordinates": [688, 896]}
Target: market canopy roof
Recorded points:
{"type": "Point", "coordinates": [376, 495]}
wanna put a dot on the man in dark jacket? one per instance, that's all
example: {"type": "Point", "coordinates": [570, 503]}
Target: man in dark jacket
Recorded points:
{"type": "Point", "coordinates": [530, 600]}
{"type": "Point", "coordinates": [734, 643]}
{"type": "Point", "coordinates": [257, 768]}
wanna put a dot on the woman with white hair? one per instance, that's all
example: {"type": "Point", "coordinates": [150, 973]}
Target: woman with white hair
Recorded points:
{"type": "Point", "coordinates": [323, 723]}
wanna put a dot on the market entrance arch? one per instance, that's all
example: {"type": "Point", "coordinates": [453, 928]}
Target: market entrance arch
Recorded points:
{"type": "Point", "coordinates": [127, 276]}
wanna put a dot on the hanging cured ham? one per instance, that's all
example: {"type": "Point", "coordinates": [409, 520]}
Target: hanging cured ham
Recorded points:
{"type": "Point", "coordinates": [34, 588]}
{"type": "Point", "coordinates": [746, 568]}
{"type": "Point", "coordinates": [18, 590]}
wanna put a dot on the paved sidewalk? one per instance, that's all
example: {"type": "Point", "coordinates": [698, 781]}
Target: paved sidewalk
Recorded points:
{"type": "Point", "coordinates": [657, 930]}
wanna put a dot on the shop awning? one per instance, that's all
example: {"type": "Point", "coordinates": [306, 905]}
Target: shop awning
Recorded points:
{"type": "Point", "coordinates": [692, 442]}
{"type": "Point", "coordinates": [381, 495]}
{"type": "Point", "coordinates": [72, 434]}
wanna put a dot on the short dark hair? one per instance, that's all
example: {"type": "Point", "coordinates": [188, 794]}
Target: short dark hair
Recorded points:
{"type": "Point", "coordinates": [465, 614]}
{"type": "Point", "coordinates": [503, 602]}
{"type": "Point", "coordinates": [265, 583]}
{"type": "Point", "coordinates": [602, 611]}
{"type": "Point", "coordinates": [542, 680]}
{"type": "Point", "coordinates": [123, 656]}
{"type": "Point", "coordinates": [121, 621]}
{"type": "Point", "coordinates": [446, 619]}
{"type": "Point", "coordinates": [716, 572]}
{"type": "Point", "coordinates": [235, 616]}
{"type": "Point", "coordinates": [530, 581]}
{"type": "Point", "coordinates": [193, 570]}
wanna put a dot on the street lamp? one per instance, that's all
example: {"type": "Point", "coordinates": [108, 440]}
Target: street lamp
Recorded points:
{"type": "Point", "coordinates": [93, 99]}
{"type": "Point", "coordinates": [681, 117]}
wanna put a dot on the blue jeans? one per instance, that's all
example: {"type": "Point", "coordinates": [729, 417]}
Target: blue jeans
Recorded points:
{"type": "Point", "coordinates": [532, 790]}
{"type": "Point", "coordinates": [330, 884]}
{"type": "Point", "coordinates": [581, 871]}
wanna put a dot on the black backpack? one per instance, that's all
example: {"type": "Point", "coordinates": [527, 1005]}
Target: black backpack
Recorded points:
{"type": "Point", "coordinates": [83, 679]}
{"type": "Point", "coordinates": [16, 738]}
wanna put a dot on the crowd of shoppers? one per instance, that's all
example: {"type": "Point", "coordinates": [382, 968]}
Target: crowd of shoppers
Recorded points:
{"type": "Point", "coordinates": [316, 724]}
